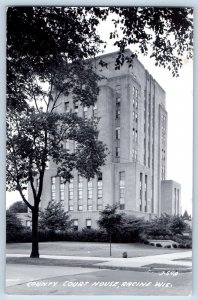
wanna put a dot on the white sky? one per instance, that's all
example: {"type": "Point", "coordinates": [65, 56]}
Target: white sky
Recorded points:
{"type": "Point", "coordinates": [179, 105]}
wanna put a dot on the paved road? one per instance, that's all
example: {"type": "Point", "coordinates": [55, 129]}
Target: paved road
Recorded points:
{"type": "Point", "coordinates": [57, 280]}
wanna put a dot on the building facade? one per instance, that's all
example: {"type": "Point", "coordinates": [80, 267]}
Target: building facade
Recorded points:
{"type": "Point", "coordinates": [133, 124]}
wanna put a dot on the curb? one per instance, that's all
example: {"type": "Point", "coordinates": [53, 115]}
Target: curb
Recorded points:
{"type": "Point", "coordinates": [137, 269]}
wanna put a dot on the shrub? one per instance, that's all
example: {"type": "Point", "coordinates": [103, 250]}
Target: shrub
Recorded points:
{"type": "Point", "coordinates": [152, 244]}
{"type": "Point", "coordinates": [167, 246]}
{"type": "Point", "coordinates": [174, 245]}
{"type": "Point", "coordinates": [158, 245]}
{"type": "Point", "coordinates": [124, 255]}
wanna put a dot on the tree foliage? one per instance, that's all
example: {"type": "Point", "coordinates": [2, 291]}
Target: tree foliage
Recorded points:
{"type": "Point", "coordinates": [53, 217]}
{"type": "Point", "coordinates": [18, 207]}
{"type": "Point", "coordinates": [110, 219]}
{"type": "Point", "coordinates": [165, 225]}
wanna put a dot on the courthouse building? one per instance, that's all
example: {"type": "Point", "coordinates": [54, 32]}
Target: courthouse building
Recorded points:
{"type": "Point", "coordinates": [131, 106]}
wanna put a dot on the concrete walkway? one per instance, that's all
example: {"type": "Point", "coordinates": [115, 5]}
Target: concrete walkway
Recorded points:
{"type": "Point", "coordinates": [175, 259]}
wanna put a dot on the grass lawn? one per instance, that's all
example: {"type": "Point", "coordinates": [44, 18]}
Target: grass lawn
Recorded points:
{"type": "Point", "coordinates": [89, 249]}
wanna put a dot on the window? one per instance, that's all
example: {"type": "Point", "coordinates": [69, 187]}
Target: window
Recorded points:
{"type": "Point", "coordinates": [67, 107]}
{"type": "Point", "coordinates": [62, 189]}
{"type": "Point", "coordinates": [80, 207]}
{"type": "Point", "coordinates": [145, 183]}
{"type": "Point", "coordinates": [75, 146]}
{"type": "Point", "coordinates": [80, 192]}
{"type": "Point", "coordinates": [133, 91]}
{"type": "Point", "coordinates": [136, 135]}
{"type": "Point", "coordinates": [117, 133]}
{"type": "Point", "coordinates": [95, 111]}
{"type": "Point", "coordinates": [99, 192]}
{"type": "Point", "coordinates": [122, 189]}
{"type": "Point", "coordinates": [117, 100]}
{"type": "Point", "coordinates": [75, 224]}
{"type": "Point", "coordinates": [28, 223]}
{"type": "Point", "coordinates": [71, 195]}
{"type": "Point", "coordinates": [136, 93]}
{"type": "Point", "coordinates": [117, 151]}
{"type": "Point", "coordinates": [85, 111]}
{"type": "Point", "coordinates": [136, 117]}
{"type": "Point", "coordinates": [89, 194]}
{"type": "Point", "coordinates": [67, 145]}
{"type": "Point", "coordinates": [76, 107]}
{"type": "Point", "coordinates": [53, 192]}
{"type": "Point", "coordinates": [117, 88]}
{"type": "Point", "coordinates": [88, 223]}
{"type": "Point", "coordinates": [117, 112]}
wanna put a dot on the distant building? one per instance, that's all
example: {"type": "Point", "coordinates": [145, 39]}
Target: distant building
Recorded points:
{"type": "Point", "coordinates": [171, 197]}
{"type": "Point", "coordinates": [133, 124]}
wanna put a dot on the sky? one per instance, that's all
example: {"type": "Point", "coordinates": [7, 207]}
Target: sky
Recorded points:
{"type": "Point", "coordinates": [179, 105]}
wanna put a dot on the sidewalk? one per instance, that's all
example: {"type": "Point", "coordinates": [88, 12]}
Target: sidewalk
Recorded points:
{"type": "Point", "coordinates": [170, 261]}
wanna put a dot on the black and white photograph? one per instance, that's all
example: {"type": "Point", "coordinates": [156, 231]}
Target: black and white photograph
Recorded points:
{"type": "Point", "coordinates": [99, 127]}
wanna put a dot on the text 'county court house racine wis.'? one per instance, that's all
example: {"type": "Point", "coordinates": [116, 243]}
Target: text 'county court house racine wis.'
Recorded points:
{"type": "Point", "coordinates": [131, 106]}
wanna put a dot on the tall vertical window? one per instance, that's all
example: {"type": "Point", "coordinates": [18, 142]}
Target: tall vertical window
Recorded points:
{"type": "Point", "coordinates": [146, 189]}
{"type": "Point", "coordinates": [67, 145]}
{"type": "Point", "coordinates": [71, 195]}
{"type": "Point", "coordinates": [62, 189]}
{"type": "Point", "coordinates": [53, 188]}
{"type": "Point", "coordinates": [140, 191]}
{"type": "Point", "coordinates": [76, 106]}
{"type": "Point", "coordinates": [117, 133]}
{"type": "Point", "coordinates": [95, 111]}
{"type": "Point", "coordinates": [75, 224]}
{"type": "Point", "coordinates": [175, 200]}
{"type": "Point", "coordinates": [118, 153]}
{"type": "Point", "coordinates": [122, 190]}
{"type": "Point", "coordinates": [117, 88]}
{"type": "Point", "coordinates": [67, 106]}
{"type": "Point", "coordinates": [80, 192]}
{"type": "Point", "coordinates": [88, 223]}
{"type": "Point", "coordinates": [99, 192]}
{"type": "Point", "coordinates": [89, 194]}
{"type": "Point", "coordinates": [85, 111]}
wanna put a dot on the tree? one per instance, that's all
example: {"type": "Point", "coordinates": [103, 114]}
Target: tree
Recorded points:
{"type": "Point", "coordinates": [13, 225]}
{"type": "Point", "coordinates": [132, 227]}
{"type": "Point", "coordinates": [18, 207]}
{"type": "Point", "coordinates": [186, 216]}
{"type": "Point", "coordinates": [34, 138]}
{"type": "Point", "coordinates": [53, 217]}
{"type": "Point", "coordinates": [110, 220]}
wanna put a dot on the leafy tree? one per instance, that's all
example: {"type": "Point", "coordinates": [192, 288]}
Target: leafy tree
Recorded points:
{"type": "Point", "coordinates": [110, 220]}
{"type": "Point", "coordinates": [34, 138]}
{"type": "Point", "coordinates": [13, 225]}
{"type": "Point", "coordinates": [53, 217]}
{"type": "Point", "coordinates": [165, 225]}
{"type": "Point", "coordinates": [18, 207]}
{"type": "Point", "coordinates": [186, 216]}
{"type": "Point", "coordinates": [132, 227]}
{"type": "Point", "coordinates": [177, 225]}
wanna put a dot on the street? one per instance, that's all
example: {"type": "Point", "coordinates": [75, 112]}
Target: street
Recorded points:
{"type": "Point", "coordinates": [64, 280]}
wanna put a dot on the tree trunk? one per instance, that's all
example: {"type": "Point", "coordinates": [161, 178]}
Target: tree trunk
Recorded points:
{"type": "Point", "coordinates": [35, 246]}
{"type": "Point", "coordinates": [110, 243]}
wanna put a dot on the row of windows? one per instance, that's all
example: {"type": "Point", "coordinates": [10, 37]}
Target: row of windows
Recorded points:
{"type": "Point", "coordinates": [80, 193]}
{"type": "Point", "coordinates": [85, 109]}
{"type": "Point", "coordinates": [88, 224]}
